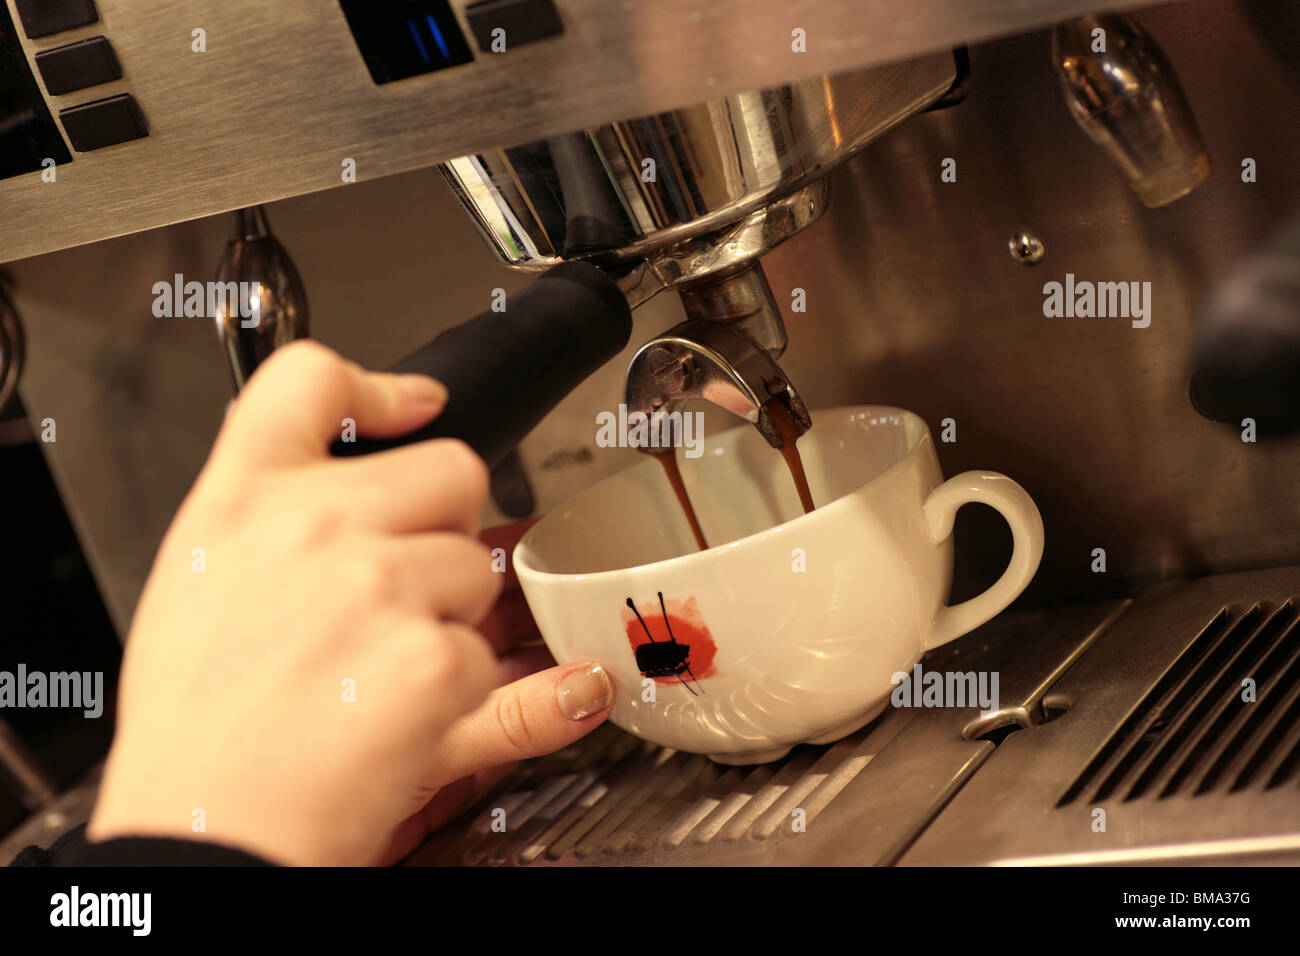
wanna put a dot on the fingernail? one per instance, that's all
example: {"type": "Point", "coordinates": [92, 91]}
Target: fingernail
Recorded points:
{"type": "Point", "coordinates": [423, 389]}
{"type": "Point", "coordinates": [584, 692]}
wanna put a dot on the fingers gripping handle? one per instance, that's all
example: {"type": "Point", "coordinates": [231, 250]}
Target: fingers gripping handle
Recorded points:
{"type": "Point", "coordinates": [1015, 505]}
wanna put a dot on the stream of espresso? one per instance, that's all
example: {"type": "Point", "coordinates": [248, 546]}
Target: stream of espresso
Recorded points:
{"type": "Point", "coordinates": [669, 460]}
{"type": "Point", "coordinates": [789, 432]}
{"type": "Point", "coordinates": [786, 428]}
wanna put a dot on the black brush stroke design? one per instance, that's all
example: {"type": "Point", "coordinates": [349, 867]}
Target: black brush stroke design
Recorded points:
{"type": "Point", "coordinates": [668, 658]}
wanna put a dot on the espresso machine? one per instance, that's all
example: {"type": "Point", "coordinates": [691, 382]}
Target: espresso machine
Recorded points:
{"type": "Point", "coordinates": [813, 202]}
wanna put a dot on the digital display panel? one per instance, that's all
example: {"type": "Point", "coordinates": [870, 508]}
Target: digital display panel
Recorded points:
{"type": "Point", "coordinates": [28, 134]}
{"type": "Point", "coordinates": [404, 38]}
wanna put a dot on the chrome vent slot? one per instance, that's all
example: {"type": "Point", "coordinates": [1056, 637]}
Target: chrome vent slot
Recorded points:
{"type": "Point", "coordinates": [618, 795]}
{"type": "Point", "coordinates": [1196, 731]}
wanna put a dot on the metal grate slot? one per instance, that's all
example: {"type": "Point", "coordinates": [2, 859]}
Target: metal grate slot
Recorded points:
{"type": "Point", "coordinates": [648, 805]}
{"type": "Point", "coordinates": [828, 777]}
{"type": "Point", "coordinates": [524, 795]}
{"type": "Point", "coordinates": [723, 787]}
{"type": "Point", "coordinates": [617, 794]}
{"type": "Point", "coordinates": [1142, 716]}
{"type": "Point", "coordinates": [1193, 733]}
{"type": "Point", "coordinates": [586, 808]}
{"type": "Point", "coordinates": [1245, 729]}
{"type": "Point", "coordinates": [1280, 744]}
{"type": "Point", "coordinates": [1204, 729]}
{"type": "Point", "coordinates": [1287, 761]}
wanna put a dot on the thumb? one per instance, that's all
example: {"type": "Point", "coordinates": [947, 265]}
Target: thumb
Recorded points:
{"type": "Point", "coordinates": [535, 715]}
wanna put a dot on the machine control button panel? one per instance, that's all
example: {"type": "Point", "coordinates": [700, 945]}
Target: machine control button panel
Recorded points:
{"type": "Point", "coordinates": [105, 122]}
{"type": "Point", "coordinates": [79, 65]}
{"type": "Point", "coordinates": [499, 25]}
{"type": "Point", "coordinates": [43, 17]}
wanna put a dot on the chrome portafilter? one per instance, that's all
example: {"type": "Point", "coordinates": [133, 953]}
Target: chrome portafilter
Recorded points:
{"type": "Point", "coordinates": [690, 200]}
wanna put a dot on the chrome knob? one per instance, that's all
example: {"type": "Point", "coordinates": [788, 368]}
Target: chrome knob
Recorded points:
{"type": "Point", "coordinates": [254, 256]}
{"type": "Point", "coordinates": [1123, 92]}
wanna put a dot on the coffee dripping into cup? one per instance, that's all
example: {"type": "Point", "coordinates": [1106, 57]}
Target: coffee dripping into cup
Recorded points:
{"type": "Point", "coordinates": [729, 369]}
{"type": "Point", "coordinates": [754, 658]}
{"type": "Point", "coordinates": [724, 650]}
{"type": "Point", "coordinates": [687, 200]}
{"type": "Point", "coordinates": [738, 651]}
{"type": "Point", "coordinates": [786, 427]}
{"type": "Point", "coordinates": [690, 200]}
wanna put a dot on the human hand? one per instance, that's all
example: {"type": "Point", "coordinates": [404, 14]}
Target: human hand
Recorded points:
{"type": "Point", "coordinates": [303, 673]}
{"type": "Point", "coordinates": [537, 709]}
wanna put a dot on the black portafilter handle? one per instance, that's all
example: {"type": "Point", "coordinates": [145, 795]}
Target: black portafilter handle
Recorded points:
{"type": "Point", "coordinates": [504, 371]}
{"type": "Point", "coordinates": [1246, 362]}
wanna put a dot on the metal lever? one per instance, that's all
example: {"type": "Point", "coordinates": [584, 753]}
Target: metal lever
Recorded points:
{"type": "Point", "coordinates": [254, 255]}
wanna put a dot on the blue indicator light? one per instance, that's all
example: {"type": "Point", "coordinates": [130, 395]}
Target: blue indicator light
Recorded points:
{"type": "Point", "coordinates": [404, 38]}
{"type": "Point", "coordinates": [437, 36]}
{"type": "Point", "coordinates": [419, 43]}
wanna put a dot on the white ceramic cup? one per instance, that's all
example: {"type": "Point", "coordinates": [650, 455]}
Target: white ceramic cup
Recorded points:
{"type": "Point", "coordinates": [789, 628]}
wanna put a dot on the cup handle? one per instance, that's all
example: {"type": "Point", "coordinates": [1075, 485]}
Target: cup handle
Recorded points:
{"type": "Point", "coordinates": [1015, 505]}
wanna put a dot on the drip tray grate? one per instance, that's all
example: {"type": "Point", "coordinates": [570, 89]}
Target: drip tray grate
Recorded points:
{"type": "Point", "coordinates": [1225, 716]}
{"type": "Point", "coordinates": [1180, 742]}
{"type": "Point", "coordinates": [615, 794]}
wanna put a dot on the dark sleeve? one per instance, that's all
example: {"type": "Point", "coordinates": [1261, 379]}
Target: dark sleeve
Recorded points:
{"type": "Point", "coordinates": [72, 849]}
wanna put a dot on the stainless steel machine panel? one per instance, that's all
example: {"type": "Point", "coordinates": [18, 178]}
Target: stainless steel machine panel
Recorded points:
{"type": "Point", "coordinates": [913, 301]}
{"type": "Point", "coordinates": [282, 96]}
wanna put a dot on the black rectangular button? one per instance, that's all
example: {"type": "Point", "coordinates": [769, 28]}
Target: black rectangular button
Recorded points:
{"type": "Point", "coordinates": [522, 21]}
{"type": "Point", "coordinates": [43, 17]}
{"type": "Point", "coordinates": [104, 123]}
{"type": "Point", "coordinates": [78, 66]}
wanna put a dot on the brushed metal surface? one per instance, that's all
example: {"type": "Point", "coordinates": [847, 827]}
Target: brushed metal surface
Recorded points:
{"type": "Point", "coordinates": [282, 96]}
{"type": "Point", "coordinates": [912, 299]}
{"type": "Point", "coordinates": [1009, 811]}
